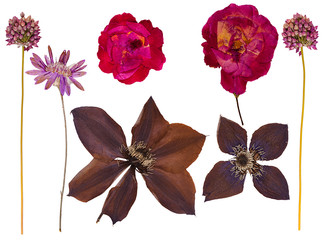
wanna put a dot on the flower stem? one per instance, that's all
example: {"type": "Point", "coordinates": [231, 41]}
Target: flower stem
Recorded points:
{"type": "Point", "coordinates": [21, 152]}
{"type": "Point", "coordinates": [64, 178]}
{"type": "Point", "coordinates": [238, 108]}
{"type": "Point", "coordinates": [300, 154]}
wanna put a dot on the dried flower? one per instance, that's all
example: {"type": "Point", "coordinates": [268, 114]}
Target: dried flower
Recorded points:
{"type": "Point", "coordinates": [57, 73]}
{"type": "Point", "coordinates": [160, 151]}
{"type": "Point", "coordinates": [227, 177]}
{"type": "Point", "coordinates": [23, 32]}
{"type": "Point", "coordinates": [300, 32]}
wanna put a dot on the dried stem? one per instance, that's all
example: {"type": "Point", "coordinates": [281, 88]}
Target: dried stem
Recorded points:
{"type": "Point", "coordinates": [300, 154]}
{"type": "Point", "coordinates": [21, 151]}
{"type": "Point", "coordinates": [238, 108]}
{"type": "Point", "coordinates": [64, 178]}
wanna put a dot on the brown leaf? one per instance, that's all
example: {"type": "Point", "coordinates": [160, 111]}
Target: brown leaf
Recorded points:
{"type": "Point", "coordinates": [99, 133]}
{"type": "Point", "coordinates": [94, 179]}
{"type": "Point", "coordinates": [178, 149]}
{"type": "Point", "coordinates": [175, 191]}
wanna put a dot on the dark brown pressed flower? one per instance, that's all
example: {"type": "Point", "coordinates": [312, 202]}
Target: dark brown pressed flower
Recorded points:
{"type": "Point", "coordinates": [160, 151]}
{"type": "Point", "coordinates": [227, 177]}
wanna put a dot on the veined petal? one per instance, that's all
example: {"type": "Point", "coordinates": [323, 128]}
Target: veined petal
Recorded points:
{"type": "Point", "coordinates": [35, 72]}
{"type": "Point", "coordinates": [150, 126]}
{"type": "Point", "coordinates": [99, 133]}
{"type": "Point", "coordinates": [175, 191]}
{"type": "Point", "coordinates": [178, 148]}
{"type": "Point", "coordinates": [76, 83]}
{"type": "Point", "coordinates": [121, 198]}
{"type": "Point", "coordinates": [94, 179]}
{"type": "Point", "coordinates": [50, 54]}
{"type": "Point", "coordinates": [51, 79]}
{"type": "Point", "coordinates": [229, 135]}
{"type": "Point", "coordinates": [37, 62]}
{"type": "Point", "coordinates": [272, 183]}
{"type": "Point", "coordinates": [67, 89]}
{"type": "Point", "coordinates": [62, 84]}
{"type": "Point", "coordinates": [78, 74]}
{"type": "Point", "coordinates": [221, 183]}
{"type": "Point", "coordinates": [271, 139]}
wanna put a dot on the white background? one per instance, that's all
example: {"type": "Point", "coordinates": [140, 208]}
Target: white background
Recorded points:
{"type": "Point", "coordinates": [186, 91]}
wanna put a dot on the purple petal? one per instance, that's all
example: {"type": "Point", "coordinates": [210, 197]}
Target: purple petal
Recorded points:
{"type": "Point", "coordinates": [51, 80]}
{"type": "Point", "coordinates": [76, 83]}
{"type": "Point", "coordinates": [78, 74]}
{"type": "Point", "coordinates": [35, 72]}
{"type": "Point", "coordinates": [62, 85]}
{"type": "Point", "coordinates": [50, 54]}
{"type": "Point", "coordinates": [37, 62]}
{"type": "Point", "coordinates": [67, 88]}
{"type": "Point", "coordinates": [75, 67]}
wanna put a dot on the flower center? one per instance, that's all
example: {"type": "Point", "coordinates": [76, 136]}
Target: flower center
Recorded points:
{"type": "Point", "coordinates": [59, 68]}
{"type": "Point", "coordinates": [137, 43]}
{"type": "Point", "coordinates": [140, 156]}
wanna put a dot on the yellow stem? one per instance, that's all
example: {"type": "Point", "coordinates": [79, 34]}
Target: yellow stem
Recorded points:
{"type": "Point", "coordinates": [300, 155]}
{"type": "Point", "coordinates": [21, 151]}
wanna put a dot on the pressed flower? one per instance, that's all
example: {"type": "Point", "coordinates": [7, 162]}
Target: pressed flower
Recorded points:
{"type": "Point", "coordinates": [159, 151]}
{"type": "Point", "coordinates": [242, 43]}
{"type": "Point", "coordinates": [299, 32]}
{"type": "Point", "coordinates": [129, 49]}
{"type": "Point", "coordinates": [57, 73]}
{"type": "Point", "coordinates": [24, 32]}
{"type": "Point", "coordinates": [227, 177]}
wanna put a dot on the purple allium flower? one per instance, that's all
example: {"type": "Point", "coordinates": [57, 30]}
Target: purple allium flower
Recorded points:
{"type": "Point", "coordinates": [57, 73]}
{"type": "Point", "coordinates": [300, 32]}
{"type": "Point", "coordinates": [23, 32]}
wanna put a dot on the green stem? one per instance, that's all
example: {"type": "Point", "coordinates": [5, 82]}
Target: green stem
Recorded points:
{"type": "Point", "coordinates": [238, 108]}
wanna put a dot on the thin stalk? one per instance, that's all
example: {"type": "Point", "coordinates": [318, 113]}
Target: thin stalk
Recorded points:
{"type": "Point", "coordinates": [21, 151]}
{"type": "Point", "coordinates": [300, 154]}
{"type": "Point", "coordinates": [64, 178]}
{"type": "Point", "coordinates": [238, 108]}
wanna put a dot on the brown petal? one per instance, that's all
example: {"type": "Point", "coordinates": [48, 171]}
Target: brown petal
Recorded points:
{"type": "Point", "coordinates": [99, 133]}
{"type": "Point", "coordinates": [272, 183]}
{"type": "Point", "coordinates": [175, 191]}
{"type": "Point", "coordinates": [94, 179]}
{"type": "Point", "coordinates": [229, 135]}
{"type": "Point", "coordinates": [271, 139]}
{"type": "Point", "coordinates": [121, 198]}
{"type": "Point", "coordinates": [150, 126]}
{"type": "Point", "coordinates": [221, 183]}
{"type": "Point", "coordinates": [178, 149]}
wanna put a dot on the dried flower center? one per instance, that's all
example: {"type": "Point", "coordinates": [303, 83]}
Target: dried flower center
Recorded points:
{"type": "Point", "coordinates": [140, 156]}
{"type": "Point", "coordinates": [59, 68]}
{"type": "Point", "coordinates": [137, 43]}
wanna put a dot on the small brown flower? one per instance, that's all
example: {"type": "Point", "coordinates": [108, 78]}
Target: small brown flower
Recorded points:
{"type": "Point", "coordinates": [160, 151]}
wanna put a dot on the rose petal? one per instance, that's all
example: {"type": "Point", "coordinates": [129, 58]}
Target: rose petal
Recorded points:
{"type": "Point", "coordinates": [272, 183]}
{"type": "Point", "coordinates": [121, 19]}
{"type": "Point", "coordinates": [151, 125]}
{"type": "Point", "coordinates": [221, 183]}
{"type": "Point", "coordinates": [229, 135]}
{"type": "Point", "coordinates": [271, 139]}
{"type": "Point", "coordinates": [121, 198]}
{"type": "Point", "coordinates": [106, 66]}
{"type": "Point", "coordinates": [233, 84]}
{"type": "Point", "coordinates": [99, 133]}
{"type": "Point", "coordinates": [138, 28]}
{"type": "Point", "coordinates": [178, 148]}
{"type": "Point", "coordinates": [174, 191]}
{"type": "Point", "coordinates": [94, 179]}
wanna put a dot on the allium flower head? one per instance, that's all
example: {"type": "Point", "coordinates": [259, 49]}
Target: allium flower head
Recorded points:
{"type": "Point", "coordinates": [300, 32]}
{"type": "Point", "coordinates": [57, 72]}
{"type": "Point", "coordinates": [23, 32]}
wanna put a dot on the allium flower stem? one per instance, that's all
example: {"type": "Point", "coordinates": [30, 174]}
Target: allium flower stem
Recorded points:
{"type": "Point", "coordinates": [21, 151]}
{"type": "Point", "coordinates": [238, 108]}
{"type": "Point", "coordinates": [64, 178]}
{"type": "Point", "coordinates": [300, 154]}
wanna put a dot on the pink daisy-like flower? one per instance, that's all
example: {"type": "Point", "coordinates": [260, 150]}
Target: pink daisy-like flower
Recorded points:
{"type": "Point", "coordinates": [57, 72]}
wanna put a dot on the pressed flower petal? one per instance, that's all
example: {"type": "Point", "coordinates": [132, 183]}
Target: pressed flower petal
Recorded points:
{"type": "Point", "coordinates": [121, 198]}
{"type": "Point", "coordinates": [51, 80]}
{"type": "Point", "coordinates": [99, 133]}
{"type": "Point", "coordinates": [271, 139]}
{"type": "Point", "coordinates": [178, 148]}
{"type": "Point", "coordinates": [150, 125]}
{"type": "Point", "coordinates": [272, 183]}
{"type": "Point", "coordinates": [140, 74]}
{"type": "Point", "coordinates": [221, 183]}
{"type": "Point", "coordinates": [175, 191]}
{"type": "Point", "coordinates": [94, 179]}
{"type": "Point", "coordinates": [76, 83]}
{"type": "Point", "coordinates": [106, 66]}
{"type": "Point", "coordinates": [229, 135]}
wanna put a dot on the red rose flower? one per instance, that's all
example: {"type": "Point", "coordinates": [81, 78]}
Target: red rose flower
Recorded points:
{"type": "Point", "coordinates": [241, 42]}
{"type": "Point", "coordinates": [129, 49]}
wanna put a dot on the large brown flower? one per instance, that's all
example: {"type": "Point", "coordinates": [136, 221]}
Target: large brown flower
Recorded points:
{"type": "Point", "coordinates": [160, 151]}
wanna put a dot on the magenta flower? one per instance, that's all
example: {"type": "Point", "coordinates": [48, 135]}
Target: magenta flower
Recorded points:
{"type": "Point", "coordinates": [241, 42]}
{"type": "Point", "coordinates": [57, 72]}
{"type": "Point", "coordinates": [299, 32]}
{"type": "Point", "coordinates": [129, 49]}
{"type": "Point", "coordinates": [23, 32]}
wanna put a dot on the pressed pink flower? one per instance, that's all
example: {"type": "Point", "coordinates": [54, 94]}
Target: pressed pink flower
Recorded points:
{"type": "Point", "coordinates": [57, 72]}
{"type": "Point", "coordinates": [241, 42]}
{"type": "Point", "coordinates": [129, 49]}
{"type": "Point", "coordinates": [23, 32]}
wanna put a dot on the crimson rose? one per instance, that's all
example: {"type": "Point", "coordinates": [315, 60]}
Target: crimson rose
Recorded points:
{"type": "Point", "coordinates": [129, 49]}
{"type": "Point", "coordinates": [241, 42]}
